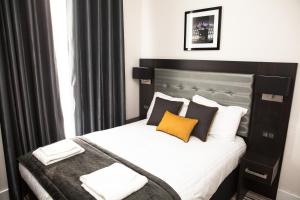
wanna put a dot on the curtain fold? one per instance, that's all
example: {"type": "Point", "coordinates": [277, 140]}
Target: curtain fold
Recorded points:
{"type": "Point", "coordinates": [99, 85]}
{"type": "Point", "coordinates": [30, 115]}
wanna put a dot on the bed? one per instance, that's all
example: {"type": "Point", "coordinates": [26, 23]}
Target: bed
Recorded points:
{"type": "Point", "coordinates": [187, 168]}
{"type": "Point", "coordinates": [195, 170]}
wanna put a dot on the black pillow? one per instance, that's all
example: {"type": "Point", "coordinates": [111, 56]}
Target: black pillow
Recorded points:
{"type": "Point", "coordinates": [160, 107]}
{"type": "Point", "coordinates": [205, 115]}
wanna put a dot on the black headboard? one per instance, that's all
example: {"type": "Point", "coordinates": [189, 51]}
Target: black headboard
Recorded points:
{"type": "Point", "coordinates": [268, 120]}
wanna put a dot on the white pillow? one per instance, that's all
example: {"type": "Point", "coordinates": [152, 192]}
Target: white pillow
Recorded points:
{"type": "Point", "coordinates": [167, 97]}
{"type": "Point", "coordinates": [204, 101]}
{"type": "Point", "coordinates": [226, 121]}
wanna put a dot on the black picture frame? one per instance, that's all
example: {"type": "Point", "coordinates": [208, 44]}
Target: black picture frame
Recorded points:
{"type": "Point", "coordinates": [210, 39]}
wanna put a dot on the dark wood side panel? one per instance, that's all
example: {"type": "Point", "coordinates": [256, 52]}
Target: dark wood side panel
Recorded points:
{"type": "Point", "coordinates": [266, 116]}
{"type": "Point", "coordinates": [201, 65]}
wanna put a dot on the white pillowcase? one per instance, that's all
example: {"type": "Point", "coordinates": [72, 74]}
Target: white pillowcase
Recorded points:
{"type": "Point", "coordinates": [226, 121]}
{"type": "Point", "coordinates": [167, 97]}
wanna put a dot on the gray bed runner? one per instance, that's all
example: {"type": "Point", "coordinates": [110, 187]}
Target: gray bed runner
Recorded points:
{"type": "Point", "coordinates": [61, 179]}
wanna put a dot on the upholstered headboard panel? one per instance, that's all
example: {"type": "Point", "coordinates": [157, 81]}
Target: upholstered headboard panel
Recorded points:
{"type": "Point", "coordinates": [225, 88]}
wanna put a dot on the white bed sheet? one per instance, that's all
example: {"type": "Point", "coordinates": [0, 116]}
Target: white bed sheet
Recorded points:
{"type": "Point", "coordinates": [194, 169]}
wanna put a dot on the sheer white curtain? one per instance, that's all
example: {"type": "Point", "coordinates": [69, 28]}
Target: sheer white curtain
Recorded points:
{"type": "Point", "coordinates": [62, 28]}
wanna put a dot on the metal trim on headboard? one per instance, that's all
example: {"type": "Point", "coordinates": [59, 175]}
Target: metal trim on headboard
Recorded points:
{"type": "Point", "coordinates": [225, 88]}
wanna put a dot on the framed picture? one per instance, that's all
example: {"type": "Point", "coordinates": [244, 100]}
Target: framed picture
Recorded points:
{"type": "Point", "coordinates": [202, 29]}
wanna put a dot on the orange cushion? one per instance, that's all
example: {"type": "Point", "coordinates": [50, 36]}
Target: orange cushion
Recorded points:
{"type": "Point", "coordinates": [177, 126]}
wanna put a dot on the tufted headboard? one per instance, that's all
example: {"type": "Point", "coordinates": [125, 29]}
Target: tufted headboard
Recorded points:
{"type": "Point", "coordinates": [225, 88]}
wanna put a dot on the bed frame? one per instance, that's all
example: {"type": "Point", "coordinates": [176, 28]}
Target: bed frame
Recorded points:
{"type": "Point", "coordinates": [264, 74]}
{"type": "Point", "coordinates": [268, 69]}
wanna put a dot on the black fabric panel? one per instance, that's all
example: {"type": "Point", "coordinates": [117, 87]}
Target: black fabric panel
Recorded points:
{"type": "Point", "coordinates": [160, 107]}
{"type": "Point", "coordinates": [205, 115]}
{"type": "Point", "coordinates": [31, 115]}
{"type": "Point", "coordinates": [99, 85]}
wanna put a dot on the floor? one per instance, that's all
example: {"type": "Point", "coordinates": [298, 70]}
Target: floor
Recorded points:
{"type": "Point", "coordinates": [252, 196]}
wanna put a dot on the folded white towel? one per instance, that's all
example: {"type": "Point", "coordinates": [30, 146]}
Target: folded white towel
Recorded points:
{"type": "Point", "coordinates": [113, 183]}
{"type": "Point", "coordinates": [57, 151]}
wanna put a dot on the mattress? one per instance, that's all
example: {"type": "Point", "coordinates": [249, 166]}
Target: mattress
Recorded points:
{"type": "Point", "coordinates": [194, 169]}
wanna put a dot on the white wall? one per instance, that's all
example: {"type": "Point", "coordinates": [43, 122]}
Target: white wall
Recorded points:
{"type": "Point", "coordinates": [132, 36]}
{"type": "Point", "coordinates": [252, 30]}
{"type": "Point", "coordinates": [3, 181]}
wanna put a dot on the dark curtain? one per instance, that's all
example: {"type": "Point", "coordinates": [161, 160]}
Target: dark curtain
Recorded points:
{"type": "Point", "coordinates": [30, 115]}
{"type": "Point", "coordinates": [98, 64]}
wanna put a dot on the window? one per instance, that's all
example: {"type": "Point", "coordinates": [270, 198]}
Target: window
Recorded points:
{"type": "Point", "coordinates": [63, 54]}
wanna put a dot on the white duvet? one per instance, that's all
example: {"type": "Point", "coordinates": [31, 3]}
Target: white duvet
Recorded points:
{"type": "Point", "coordinates": [194, 169]}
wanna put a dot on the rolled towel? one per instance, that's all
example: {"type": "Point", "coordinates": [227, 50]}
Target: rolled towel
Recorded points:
{"type": "Point", "coordinates": [57, 151]}
{"type": "Point", "coordinates": [113, 183]}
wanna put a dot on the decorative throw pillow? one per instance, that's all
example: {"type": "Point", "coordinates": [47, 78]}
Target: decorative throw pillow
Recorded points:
{"type": "Point", "coordinates": [204, 115]}
{"type": "Point", "coordinates": [182, 112]}
{"type": "Point", "coordinates": [160, 107]}
{"type": "Point", "coordinates": [226, 121]}
{"type": "Point", "coordinates": [177, 126]}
